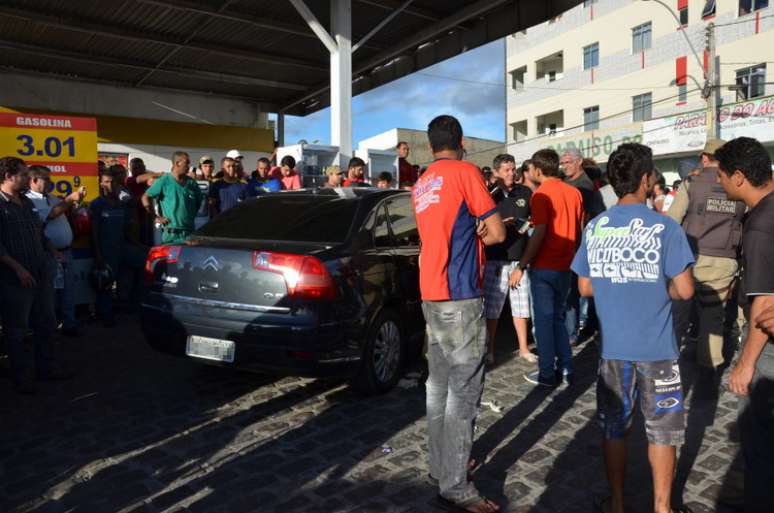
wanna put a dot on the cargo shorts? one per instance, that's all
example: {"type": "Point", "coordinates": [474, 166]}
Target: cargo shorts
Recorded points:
{"type": "Point", "coordinates": [657, 385]}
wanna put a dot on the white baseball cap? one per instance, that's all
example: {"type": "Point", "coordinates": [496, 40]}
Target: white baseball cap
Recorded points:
{"type": "Point", "coordinates": [234, 154]}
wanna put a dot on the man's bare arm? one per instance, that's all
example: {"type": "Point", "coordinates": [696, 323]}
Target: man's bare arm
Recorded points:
{"type": "Point", "coordinates": [681, 286]}
{"type": "Point", "coordinates": [741, 376]}
{"type": "Point", "coordinates": [494, 232]}
{"type": "Point", "coordinates": [584, 286]}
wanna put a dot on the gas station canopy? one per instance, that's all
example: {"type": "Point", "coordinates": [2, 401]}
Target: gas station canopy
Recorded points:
{"type": "Point", "coordinates": [271, 52]}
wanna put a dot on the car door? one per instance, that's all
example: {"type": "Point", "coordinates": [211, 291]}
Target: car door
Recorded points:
{"type": "Point", "coordinates": [403, 227]}
{"type": "Point", "coordinates": [373, 263]}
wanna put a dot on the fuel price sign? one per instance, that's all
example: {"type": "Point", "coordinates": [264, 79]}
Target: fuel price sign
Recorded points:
{"type": "Point", "coordinates": [65, 144]}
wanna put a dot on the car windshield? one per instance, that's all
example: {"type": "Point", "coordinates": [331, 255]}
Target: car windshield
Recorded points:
{"type": "Point", "coordinates": [285, 217]}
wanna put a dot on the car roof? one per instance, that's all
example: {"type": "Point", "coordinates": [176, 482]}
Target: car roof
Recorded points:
{"type": "Point", "coordinates": [355, 193]}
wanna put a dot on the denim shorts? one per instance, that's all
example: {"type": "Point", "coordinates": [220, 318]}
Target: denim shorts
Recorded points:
{"type": "Point", "coordinates": [659, 388]}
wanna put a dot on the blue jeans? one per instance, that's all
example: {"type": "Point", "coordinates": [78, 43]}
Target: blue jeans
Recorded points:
{"type": "Point", "coordinates": [456, 337]}
{"type": "Point", "coordinates": [549, 294]}
{"type": "Point", "coordinates": [580, 310]}
{"type": "Point", "coordinates": [29, 307]}
{"type": "Point", "coordinates": [127, 263]}
{"type": "Point", "coordinates": [65, 301]}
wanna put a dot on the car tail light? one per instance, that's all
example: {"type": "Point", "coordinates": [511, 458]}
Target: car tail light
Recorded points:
{"type": "Point", "coordinates": [159, 254]}
{"type": "Point", "coordinates": [305, 276]}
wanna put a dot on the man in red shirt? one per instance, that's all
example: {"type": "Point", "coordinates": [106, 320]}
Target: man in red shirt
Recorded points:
{"type": "Point", "coordinates": [407, 174]}
{"type": "Point", "coordinates": [557, 214]}
{"type": "Point", "coordinates": [456, 217]}
{"type": "Point", "coordinates": [355, 173]}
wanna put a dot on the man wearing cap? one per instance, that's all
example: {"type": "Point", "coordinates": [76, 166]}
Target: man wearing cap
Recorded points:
{"type": "Point", "coordinates": [206, 168]}
{"type": "Point", "coordinates": [713, 224]}
{"type": "Point", "coordinates": [238, 158]}
{"type": "Point", "coordinates": [334, 175]}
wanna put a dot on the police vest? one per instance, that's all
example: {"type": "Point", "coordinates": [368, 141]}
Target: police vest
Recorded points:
{"type": "Point", "coordinates": [713, 223]}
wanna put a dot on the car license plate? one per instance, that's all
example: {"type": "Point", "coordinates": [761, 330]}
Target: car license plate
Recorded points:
{"type": "Point", "coordinates": [210, 348]}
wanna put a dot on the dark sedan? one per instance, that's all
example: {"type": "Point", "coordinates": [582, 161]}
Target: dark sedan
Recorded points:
{"type": "Point", "coordinates": [310, 283]}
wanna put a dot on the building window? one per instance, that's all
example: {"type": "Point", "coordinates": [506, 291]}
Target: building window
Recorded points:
{"type": "Point", "coordinates": [517, 78]}
{"type": "Point", "coordinates": [748, 6]}
{"type": "Point", "coordinates": [682, 94]}
{"type": "Point", "coordinates": [642, 109]}
{"type": "Point", "coordinates": [751, 82]}
{"type": "Point", "coordinates": [709, 9]}
{"type": "Point", "coordinates": [591, 118]}
{"type": "Point", "coordinates": [684, 15]}
{"type": "Point", "coordinates": [641, 37]}
{"type": "Point", "coordinates": [519, 130]}
{"type": "Point", "coordinates": [591, 56]}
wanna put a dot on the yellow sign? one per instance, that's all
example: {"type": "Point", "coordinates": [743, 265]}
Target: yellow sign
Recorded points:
{"type": "Point", "coordinates": [65, 144]}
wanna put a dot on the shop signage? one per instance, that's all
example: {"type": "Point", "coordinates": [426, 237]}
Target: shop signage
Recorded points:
{"type": "Point", "coordinates": [687, 132]}
{"type": "Point", "coordinates": [65, 144]}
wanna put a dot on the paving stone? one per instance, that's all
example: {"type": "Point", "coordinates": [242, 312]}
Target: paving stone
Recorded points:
{"type": "Point", "coordinates": [164, 435]}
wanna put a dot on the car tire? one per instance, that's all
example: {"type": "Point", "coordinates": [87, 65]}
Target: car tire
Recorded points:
{"type": "Point", "coordinates": [383, 356]}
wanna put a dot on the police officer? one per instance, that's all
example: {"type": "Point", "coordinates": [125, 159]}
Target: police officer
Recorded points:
{"type": "Point", "coordinates": [713, 224]}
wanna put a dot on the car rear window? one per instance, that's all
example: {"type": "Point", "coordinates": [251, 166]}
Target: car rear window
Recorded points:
{"type": "Point", "coordinates": [285, 217]}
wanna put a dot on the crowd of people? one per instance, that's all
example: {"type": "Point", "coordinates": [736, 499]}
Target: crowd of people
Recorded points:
{"type": "Point", "coordinates": [645, 276]}
{"type": "Point", "coordinates": [132, 211]}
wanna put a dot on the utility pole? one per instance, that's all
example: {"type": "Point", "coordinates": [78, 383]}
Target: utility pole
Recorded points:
{"type": "Point", "coordinates": [712, 86]}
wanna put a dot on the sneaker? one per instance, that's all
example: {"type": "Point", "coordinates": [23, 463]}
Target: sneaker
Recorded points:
{"type": "Point", "coordinates": [536, 379]}
{"type": "Point", "coordinates": [564, 376]}
{"type": "Point", "coordinates": [529, 357]}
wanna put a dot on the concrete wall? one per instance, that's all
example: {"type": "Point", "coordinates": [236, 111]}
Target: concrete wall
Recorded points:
{"type": "Point", "coordinates": [37, 93]}
{"type": "Point", "coordinates": [159, 158]}
{"type": "Point", "coordinates": [480, 151]}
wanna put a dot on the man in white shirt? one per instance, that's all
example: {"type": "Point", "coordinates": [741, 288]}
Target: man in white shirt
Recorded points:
{"type": "Point", "coordinates": [52, 212]}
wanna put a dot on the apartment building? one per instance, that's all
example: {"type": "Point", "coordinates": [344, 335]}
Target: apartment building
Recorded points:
{"type": "Point", "coordinates": [612, 71]}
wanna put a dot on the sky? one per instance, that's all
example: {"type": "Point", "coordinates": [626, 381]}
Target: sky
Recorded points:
{"type": "Point", "coordinates": [469, 86]}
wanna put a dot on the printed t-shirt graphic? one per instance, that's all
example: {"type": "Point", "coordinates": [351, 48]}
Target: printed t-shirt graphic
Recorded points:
{"type": "Point", "coordinates": [448, 200]}
{"type": "Point", "coordinates": [630, 253]}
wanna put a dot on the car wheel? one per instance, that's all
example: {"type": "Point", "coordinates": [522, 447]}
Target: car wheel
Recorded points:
{"type": "Point", "coordinates": [383, 356]}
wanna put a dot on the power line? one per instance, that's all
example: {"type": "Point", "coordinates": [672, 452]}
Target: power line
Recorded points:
{"type": "Point", "coordinates": [541, 136]}
{"type": "Point", "coordinates": [529, 87]}
{"type": "Point", "coordinates": [744, 21]}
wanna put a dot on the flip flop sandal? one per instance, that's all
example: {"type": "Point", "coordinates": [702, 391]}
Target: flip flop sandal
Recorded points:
{"type": "Point", "coordinates": [473, 465]}
{"type": "Point", "coordinates": [456, 507]}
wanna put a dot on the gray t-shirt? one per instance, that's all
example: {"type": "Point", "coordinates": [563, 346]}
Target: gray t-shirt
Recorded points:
{"type": "Point", "coordinates": [57, 230]}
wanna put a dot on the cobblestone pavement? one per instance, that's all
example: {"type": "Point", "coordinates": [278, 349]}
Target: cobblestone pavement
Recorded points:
{"type": "Point", "coordinates": [143, 432]}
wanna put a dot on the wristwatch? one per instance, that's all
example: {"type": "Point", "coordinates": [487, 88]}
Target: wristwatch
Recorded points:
{"type": "Point", "coordinates": [521, 266]}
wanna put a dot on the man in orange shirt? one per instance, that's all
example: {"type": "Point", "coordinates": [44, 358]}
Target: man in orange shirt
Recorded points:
{"type": "Point", "coordinates": [557, 214]}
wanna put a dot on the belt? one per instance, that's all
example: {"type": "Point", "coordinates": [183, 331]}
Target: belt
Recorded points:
{"type": "Point", "coordinates": [178, 230]}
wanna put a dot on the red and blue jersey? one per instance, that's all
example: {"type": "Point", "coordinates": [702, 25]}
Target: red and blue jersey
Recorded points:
{"type": "Point", "coordinates": [449, 198]}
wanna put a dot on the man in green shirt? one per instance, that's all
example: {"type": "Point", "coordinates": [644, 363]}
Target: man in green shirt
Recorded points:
{"type": "Point", "coordinates": [179, 197]}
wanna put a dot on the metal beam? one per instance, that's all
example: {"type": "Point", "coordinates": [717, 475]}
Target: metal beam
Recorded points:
{"type": "Point", "coordinates": [471, 11]}
{"type": "Point", "coordinates": [315, 25]}
{"type": "Point", "coordinates": [390, 5]}
{"type": "Point", "coordinates": [263, 105]}
{"type": "Point", "coordinates": [248, 19]}
{"type": "Point", "coordinates": [173, 51]}
{"type": "Point", "coordinates": [341, 79]}
{"type": "Point", "coordinates": [109, 29]}
{"type": "Point", "coordinates": [381, 25]}
{"type": "Point", "coordinates": [228, 78]}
